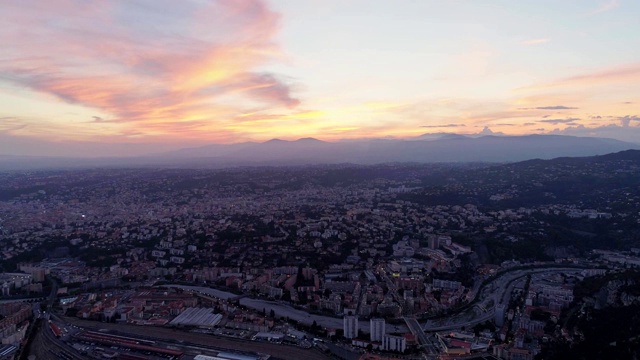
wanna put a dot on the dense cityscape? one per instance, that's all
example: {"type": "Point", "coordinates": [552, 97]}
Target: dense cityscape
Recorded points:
{"type": "Point", "coordinates": [429, 261]}
{"type": "Point", "coordinates": [319, 180]}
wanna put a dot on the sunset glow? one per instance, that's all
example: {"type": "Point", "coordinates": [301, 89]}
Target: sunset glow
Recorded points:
{"type": "Point", "coordinates": [160, 75]}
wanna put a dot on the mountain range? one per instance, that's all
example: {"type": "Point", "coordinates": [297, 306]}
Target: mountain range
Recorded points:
{"type": "Point", "coordinates": [445, 148]}
{"type": "Point", "coordinates": [428, 148]}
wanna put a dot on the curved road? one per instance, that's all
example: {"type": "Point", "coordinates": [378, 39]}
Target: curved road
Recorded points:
{"type": "Point", "coordinates": [487, 297]}
{"type": "Point", "coordinates": [285, 310]}
{"type": "Point", "coordinates": [468, 317]}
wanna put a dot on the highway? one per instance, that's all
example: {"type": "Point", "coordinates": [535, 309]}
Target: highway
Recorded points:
{"type": "Point", "coordinates": [502, 286]}
{"type": "Point", "coordinates": [416, 330]}
{"type": "Point", "coordinates": [497, 291]}
{"type": "Point", "coordinates": [486, 296]}
{"type": "Point", "coordinates": [282, 309]}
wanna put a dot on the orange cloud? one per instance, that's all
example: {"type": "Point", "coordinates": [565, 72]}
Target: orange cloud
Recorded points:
{"type": "Point", "coordinates": [181, 69]}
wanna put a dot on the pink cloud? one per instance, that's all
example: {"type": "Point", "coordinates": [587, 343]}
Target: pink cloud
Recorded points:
{"type": "Point", "coordinates": [148, 62]}
{"type": "Point", "coordinates": [619, 74]}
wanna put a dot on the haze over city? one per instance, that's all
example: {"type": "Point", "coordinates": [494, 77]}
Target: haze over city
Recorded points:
{"type": "Point", "coordinates": [320, 179]}
{"type": "Point", "coordinates": [86, 79]}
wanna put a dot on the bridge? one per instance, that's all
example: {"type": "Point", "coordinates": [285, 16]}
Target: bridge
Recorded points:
{"type": "Point", "coordinates": [424, 341]}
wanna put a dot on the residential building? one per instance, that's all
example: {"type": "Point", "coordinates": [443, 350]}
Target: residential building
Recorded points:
{"type": "Point", "coordinates": [350, 326]}
{"type": "Point", "coordinates": [377, 329]}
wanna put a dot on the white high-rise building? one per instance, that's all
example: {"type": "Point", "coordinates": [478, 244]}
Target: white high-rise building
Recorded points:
{"type": "Point", "coordinates": [394, 343]}
{"type": "Point", "coordinates": [377, 329]}
{"type": "Point", "coordinates": [350, 326]}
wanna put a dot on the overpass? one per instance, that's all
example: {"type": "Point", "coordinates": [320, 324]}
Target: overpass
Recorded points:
{"type": "Point", "coordinates": [424, 341]}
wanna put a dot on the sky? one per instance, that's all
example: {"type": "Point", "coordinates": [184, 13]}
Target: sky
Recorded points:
{"type": "Point", "coordinates": [130, 77]}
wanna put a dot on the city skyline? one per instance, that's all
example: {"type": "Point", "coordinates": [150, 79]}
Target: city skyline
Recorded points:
{"type": "Point", "coordinates": [85, 79]}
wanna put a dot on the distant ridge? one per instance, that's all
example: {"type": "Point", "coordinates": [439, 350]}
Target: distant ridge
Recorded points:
{"type": "Point", "coordinates": [443, 147]}
{"type": "Point", "coordinates": [309, 140]}
{"type": "Point", "coordinates": [440, 136]}
{"type": "Point", "coordinates": [628, 155]}
{"type": "Point", "coordinates": [631, 154]}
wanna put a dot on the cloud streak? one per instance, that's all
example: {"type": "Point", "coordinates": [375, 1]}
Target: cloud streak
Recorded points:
{"type": "Point", "coordinates": [555, 107]}
{"type": "Point", "coordinates": [10, 124]}
{"type": "Point", "coordinates": [193, 62]}
{"type": "Point", "coordinates": [559, 121]}
{"type": "Point", "coordinates": [629, 73]}
{"type": "Point", "coordinates": [441, 126]}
